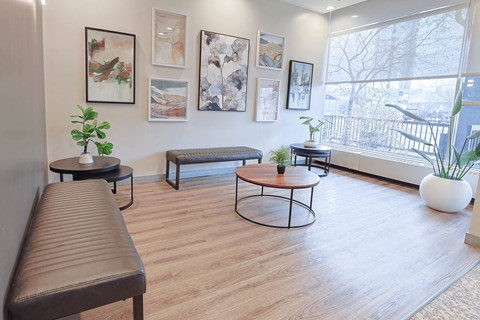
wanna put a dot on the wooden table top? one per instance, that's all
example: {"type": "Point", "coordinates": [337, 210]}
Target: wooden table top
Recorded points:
{"type": "Point", "coordinates": [266, 175]}
{"type": "Point", "coordinates": [71, 165]}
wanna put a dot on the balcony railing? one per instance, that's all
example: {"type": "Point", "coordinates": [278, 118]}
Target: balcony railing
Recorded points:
{"type": "Point", "coordinates": [378, 134]}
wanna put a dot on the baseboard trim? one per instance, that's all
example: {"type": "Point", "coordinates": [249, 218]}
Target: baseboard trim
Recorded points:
{"type": "Point", "coordinates": [472, 240]}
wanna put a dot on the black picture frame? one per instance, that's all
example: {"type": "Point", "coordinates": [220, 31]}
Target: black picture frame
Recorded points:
{"type": "Point", "coordinates": [109, 66]}
{"type": "Point", "coordinates": [216, 63]}
{"type": "Point", "coordinates": [299, 92]}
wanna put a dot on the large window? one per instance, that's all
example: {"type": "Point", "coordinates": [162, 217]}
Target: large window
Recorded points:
{"type": "Point", "coordinates": [411, 63]}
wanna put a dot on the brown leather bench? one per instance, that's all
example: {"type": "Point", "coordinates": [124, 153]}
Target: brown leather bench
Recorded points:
{"type": "Point", "coordinates": [77, 255]}
{"type": "Point", "coordinates": [206, 155]}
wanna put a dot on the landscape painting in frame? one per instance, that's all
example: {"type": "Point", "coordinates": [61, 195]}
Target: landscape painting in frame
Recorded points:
{"type": "Point", "coordinates": [110, 66]}
{"type": "Point", "coordinates": [168, 38]}
{"type": "Point", "coordinates": [299, 85]}
{"type": "Point", "coordinates": [270, 50]}
{"type": "Point", "coordinates": [223, 72]}
{"type": "Point", "coordinates": [268, 92]}
{"type": "Point", "coordinates": [168, 100]}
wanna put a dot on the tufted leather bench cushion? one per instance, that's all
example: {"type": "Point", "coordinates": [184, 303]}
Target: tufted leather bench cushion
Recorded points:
{"type": "Point", "coordinates": [78, 255]}
{"type": "Point", "coordinates": [206, 155]}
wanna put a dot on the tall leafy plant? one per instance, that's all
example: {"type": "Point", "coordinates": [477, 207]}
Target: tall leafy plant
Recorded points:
{"type": "Point", "coordinates": [312, 128]}
{"type": "Point", "coordinates": [90, 130]}
{"type": "Point", "coordinates": [455, 164]}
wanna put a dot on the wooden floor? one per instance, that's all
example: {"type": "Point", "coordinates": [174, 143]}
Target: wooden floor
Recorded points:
{"type": "Point", "coordinates": [375, 252]}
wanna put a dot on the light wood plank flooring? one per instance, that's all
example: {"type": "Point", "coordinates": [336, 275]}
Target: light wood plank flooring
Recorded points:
{"type": "Point", "coordinates": [375, 252]}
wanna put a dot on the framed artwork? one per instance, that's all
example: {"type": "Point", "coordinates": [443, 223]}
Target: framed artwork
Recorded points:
{"type": "Point", "coordinates": [299, 85]}
{"type": "Point", "coordinates": [268, 92]}
{"type": "Point", "coordinates": [270, 50]}
{"type": "Point", "coordinates": [168, 100]}
{"type": "Point", "coordinates": [223, 72]}
{"type": "Point", "coordinates": [110, 66]}
{"type": "Point", "coordinates": [169, 32]}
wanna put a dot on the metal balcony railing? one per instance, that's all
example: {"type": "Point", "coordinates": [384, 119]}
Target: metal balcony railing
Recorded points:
{"type": "Point", "coordinates": [378, 134]}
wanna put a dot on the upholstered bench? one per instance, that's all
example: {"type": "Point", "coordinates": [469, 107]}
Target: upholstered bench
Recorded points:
{"type": "Point", "coordinates": [206, 155]}
{"type": "Point", "coordinates": [77, 255]}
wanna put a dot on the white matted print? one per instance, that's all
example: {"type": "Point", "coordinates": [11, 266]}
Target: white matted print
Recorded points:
{"type": "Point", "coordinates": [169, 31]}
{"type": "Point", "coordinates": [268, 93]}
{"type": "Point", "coordinates": [168, 100]}
{"type": "Point", "coordinates": [270, 51]}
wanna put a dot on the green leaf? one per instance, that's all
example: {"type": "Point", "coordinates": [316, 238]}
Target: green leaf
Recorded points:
{"type": "Point", "coordinates": [407, 113]}
{"type": "Point", "coordinates": [76, 134]}
{"type": "Point", "coordinates": [477, 149]}
{"type": "Point", "coordinates": [100, 134]}
{"type": "Point", "coordinates": [90, 127]}
{"type": "Point", "coordinates": [412, 137]}
{"type": "Point", "coordinates": [474, 135]}
{"type": "Point", "coordinates": [457, 105]}
{"type": "Point", "coordinates": [103, 125]}
{"type": "Point", "coordinates": [89, 114]}
{"type": "Point", "coordinates": [468, 156]}
{"type": "Point", "coordinates": [76, 121]}
{"type": "Point", "coordinates": [81, 108]}
{"type": "Point", "coordinates": [457, 157]}
{"type": "Point", "coordinates": [82, 143]}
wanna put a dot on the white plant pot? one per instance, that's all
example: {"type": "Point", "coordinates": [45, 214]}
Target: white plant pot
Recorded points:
{"type": "Point", "coordinates": [85, 158]}
{"type": "Point", "coordinates": [310, 144]}
{"type": "Point", "coordinates": [444, 194]}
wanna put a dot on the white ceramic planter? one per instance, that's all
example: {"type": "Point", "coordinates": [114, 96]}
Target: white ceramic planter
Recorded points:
{"type": "Point", "coordinates": [444, 194]}
{"type": "Point", "coordinates": [85, 158]}
{"type": "Point", "coordinates": [310, 144]}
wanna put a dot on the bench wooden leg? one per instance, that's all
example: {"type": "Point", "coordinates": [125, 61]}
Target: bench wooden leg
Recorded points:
{"type": "Point", "coordinates": [138, 307]}
{"type": "Point", "coordinates": [260, 160]}
{"type": "Point", "coordinates": [167, 171]}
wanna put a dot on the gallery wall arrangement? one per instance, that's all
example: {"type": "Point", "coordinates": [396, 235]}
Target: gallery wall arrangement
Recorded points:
{"type": "Point", "coordinates": [223, 71]}
{"type": "Point", "coordinates": [110, 66]}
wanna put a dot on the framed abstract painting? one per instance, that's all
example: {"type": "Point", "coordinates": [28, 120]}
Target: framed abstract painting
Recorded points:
{"type": "Point", "coordinates": [168, 100]}
{"type": "Point", "coordinates": [270, 51]}
{"type": "Point", "coordinates": [223, 72]}
{"type": "Point", "coordinates": [169, 32]}
{"type": "Point", "coordinates": [299, 92]}
{"type": "Point", "coordinates": [268, 93]}
{"type": "Point", "coordinates": [110, 66]}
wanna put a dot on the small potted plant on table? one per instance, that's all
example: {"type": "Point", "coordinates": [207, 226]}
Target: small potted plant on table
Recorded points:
{"type": "Point", "coordinates": [282, 157]}
{"type": "Point", "coordinates": [90, 129]}
{"type": "Point", "coordinates": [312, 143]}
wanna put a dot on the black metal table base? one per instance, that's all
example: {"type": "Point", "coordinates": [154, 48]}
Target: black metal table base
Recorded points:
{"type": "Point", "coordinates": [291, 202]}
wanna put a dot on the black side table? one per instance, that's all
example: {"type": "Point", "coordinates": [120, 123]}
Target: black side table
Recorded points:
{"type": "Point", "coordinates": [322, 152]}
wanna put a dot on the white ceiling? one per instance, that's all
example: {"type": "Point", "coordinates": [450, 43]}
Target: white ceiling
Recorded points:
{"type": "Point", "coordinates": [320, 5]}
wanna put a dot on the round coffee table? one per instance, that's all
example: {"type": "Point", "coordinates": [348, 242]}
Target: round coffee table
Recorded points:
{"type": "Point", "coordinates": [71, 166]}
{"type": "Point", "coordinates": [265, 175]}
{"type": "Point", "coordinates": [325, 152]}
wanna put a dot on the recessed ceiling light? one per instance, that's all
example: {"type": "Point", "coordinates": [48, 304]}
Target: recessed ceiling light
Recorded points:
{"type": "Point", "coordinates": [160, 33]}
{"type": "Point", "coordinates": [169, 28]}
{"type": "Point", "coordinates": [44, 2]}
{"type": "Point", "coordinates": [355, 16]}
{"type": "Point", "coordinates": [330, 8]}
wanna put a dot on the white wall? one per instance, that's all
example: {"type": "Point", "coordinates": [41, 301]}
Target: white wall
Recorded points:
{"type": "Point", "coordinates": [22, 139]}
{"type": "Point", "coordinates": [142, 144]}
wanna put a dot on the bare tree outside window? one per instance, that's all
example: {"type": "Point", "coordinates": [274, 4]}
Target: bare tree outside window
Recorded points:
{"type": "Point", "coordinates": [412, 63]}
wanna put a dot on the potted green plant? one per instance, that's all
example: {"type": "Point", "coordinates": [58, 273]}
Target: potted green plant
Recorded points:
{"type": "Point", "coordinates": [445, 189]}
{"type": "Point", "coordinates": [312, 143]}
{"type": "Point", "coordinates": [282, 157]}
{"type": "Point", "coordinates": [90, 130]}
